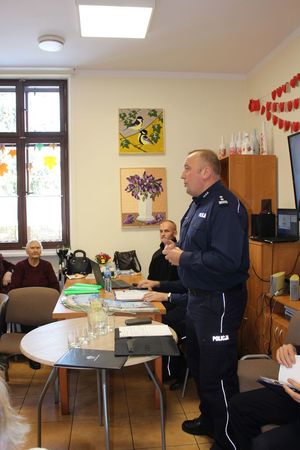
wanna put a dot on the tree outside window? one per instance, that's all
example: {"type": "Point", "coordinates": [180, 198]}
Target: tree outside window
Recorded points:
{"type": "Point", "coordinates": [33, 163]}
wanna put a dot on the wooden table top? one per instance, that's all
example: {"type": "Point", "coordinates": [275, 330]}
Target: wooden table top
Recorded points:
{"type": "Point", "coordinates": [46, 344]}
{"type": "Point", "coordinates": [60, 312]}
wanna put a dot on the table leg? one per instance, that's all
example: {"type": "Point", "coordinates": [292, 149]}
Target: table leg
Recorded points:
{"type": "Point", "coordinates": [64, 391]}
{"type": "Point", "coordinates": [161, 404]}
{"type": "Point", "coordinates": [158, 375]}
{"type": "Point", "coordinates": [102, 378]}
{"type": "Point", "coordinates": [52, 375]}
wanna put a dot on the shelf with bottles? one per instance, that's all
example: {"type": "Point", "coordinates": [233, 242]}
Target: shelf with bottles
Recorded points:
{"type": "Point", "coordinates": [244, 143]}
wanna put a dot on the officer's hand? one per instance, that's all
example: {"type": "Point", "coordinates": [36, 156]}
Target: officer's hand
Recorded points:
{"type": "Point", "coordinates": [172, 254]}
{"type": "Point", "coordinates": [155, 297]}
{"type": "Point", "coordinates": [148, 284]}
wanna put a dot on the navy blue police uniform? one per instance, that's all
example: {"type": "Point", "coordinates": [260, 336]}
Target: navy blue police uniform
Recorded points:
{"type": "Point", "coordinates": [214, 268]}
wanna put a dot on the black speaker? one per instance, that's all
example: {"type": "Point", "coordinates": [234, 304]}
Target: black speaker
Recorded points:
{"type": "Point", "coordinates": [263, 225]}
{"type": "Point", "coordinates": [266, 206]}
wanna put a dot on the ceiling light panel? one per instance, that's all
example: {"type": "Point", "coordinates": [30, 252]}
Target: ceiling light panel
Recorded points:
{"type": "Point", "coordinates": [115, 19]}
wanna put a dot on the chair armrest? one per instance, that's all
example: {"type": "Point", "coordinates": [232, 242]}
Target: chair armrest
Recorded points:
{"type": "Point", "coordinates": [256, 356]}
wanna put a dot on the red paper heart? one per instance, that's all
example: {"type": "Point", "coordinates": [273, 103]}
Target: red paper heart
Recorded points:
{"type": "Point", "coordinates": [280, 123]}
{"type": "Point", "coordinates": [298, 76]}
{"type": "Point", "coordinates": [296, 103]}
{"type": "Point", "coordinates": [257, 105]}
{"type": "Point", "coordinates": [274, 93]}
{"type": "Point", "coordinates": [268, 106]}
{"type": "Point", "coordinates": [268, 115]}
{"type": "Point", "coordinates": [250, 106]}
{"type": "Point", "coordinates": [263, 109]}
{"type": "Point", "coordinates": [274, 107]}
{"type": "Point", "coordinates": [295, 126]}
{"type": "Point", "coordinates": [274, 119]}
{"type": "Point", "coordinates": [287, 125]}
{"type": "Point", "coordinates": [281, 106]}
{"type": "Point", "coordinates": [290, 105]}
{"type": "Point", "coordinates": [284, 87]}
{"type": "Point", "coordinates": [293, 82]}
{"type": "Point", "coordinates": [279, 91]}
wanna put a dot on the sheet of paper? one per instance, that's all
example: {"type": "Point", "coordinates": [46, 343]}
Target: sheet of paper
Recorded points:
{"type": "Point", "coordinates": [130, 295]}
{"type": "Point", "coordinates": [144, 330]}
{"type": "Point", "coordinates": [290, 372]}
{"type": "Point", "coordinates": [130, 307]}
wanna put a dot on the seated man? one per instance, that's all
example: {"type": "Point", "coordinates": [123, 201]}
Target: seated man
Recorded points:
{"type": "Point", "coordinates": [175, 304]}
{"type": "Point", "coordinates": [249, 411]}
{"type": "Point", "coordinates": [160, 271]}
{"type": "Point", "coordinates": [6, 270]}
{"type": "Point", "coordinates": [160, 268]}
{"type": "Point", "coordinates": [34, 271]}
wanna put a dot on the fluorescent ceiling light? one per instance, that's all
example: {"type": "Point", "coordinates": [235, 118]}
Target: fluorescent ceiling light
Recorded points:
{"type": "Point", "coordinates": [51, 43]}
{"type": "Point", "coordinates": [115, 18]}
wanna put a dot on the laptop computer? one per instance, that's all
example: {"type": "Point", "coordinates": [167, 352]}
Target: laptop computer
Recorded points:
{"type": "Point", "coordinates": [115, 284]}
{"type": "Point", "coordinates": [287, 227]}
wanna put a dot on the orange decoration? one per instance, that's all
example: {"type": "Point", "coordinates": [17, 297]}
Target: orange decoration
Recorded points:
{"type": "Point", "coordinates": [12, 153]}
{"type": "Point", "coordinates": [3, 169]}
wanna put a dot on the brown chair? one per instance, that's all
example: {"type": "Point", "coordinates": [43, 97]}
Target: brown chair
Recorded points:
{"type": "Point", "coordinates": [30, 306]}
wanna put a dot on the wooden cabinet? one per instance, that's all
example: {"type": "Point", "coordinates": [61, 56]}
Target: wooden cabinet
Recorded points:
{"type": "Point", "coordinates": [252, 178]}
{"type": "Point", "coordinates": [264, 326]}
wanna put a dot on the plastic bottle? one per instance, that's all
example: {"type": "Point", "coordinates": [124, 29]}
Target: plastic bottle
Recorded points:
{"type": "Point", "coordinates": [222, 149]}
{"type": "Point", "coordinates": [232, 146]}
{"type": "Point", "coordinates": [239, 143]}
{"type": "Point", "coordinates": [255, 143]}
{"type": "Point", "coordinates": [107, 279]}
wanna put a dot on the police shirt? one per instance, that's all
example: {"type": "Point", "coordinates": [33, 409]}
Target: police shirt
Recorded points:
{"type": "Point", "coordinates": [214, 238]}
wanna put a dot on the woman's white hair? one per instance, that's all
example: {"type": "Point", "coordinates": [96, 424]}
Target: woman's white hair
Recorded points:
{"type": "Point", "coordinates": [13, 429]}
{"type": "Point", "coordinates": [33, 241]}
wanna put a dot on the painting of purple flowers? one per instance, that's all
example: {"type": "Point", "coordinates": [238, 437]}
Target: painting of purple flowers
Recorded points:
{"type": "Point", "coordinates": [143, 196]}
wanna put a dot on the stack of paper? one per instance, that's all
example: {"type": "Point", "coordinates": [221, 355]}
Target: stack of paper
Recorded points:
{"type": "Point", "coordinates": [82, 288]}
{"type": "Point", "coordinates": [144, 330]}
{"type": "Point", "coordinates": [130, 295]}
{"type": "Point", "coordinates": [129, 307]}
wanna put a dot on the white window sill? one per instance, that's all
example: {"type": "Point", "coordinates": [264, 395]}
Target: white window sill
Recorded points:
{"type": "Point", "coordinates": [17, 253]}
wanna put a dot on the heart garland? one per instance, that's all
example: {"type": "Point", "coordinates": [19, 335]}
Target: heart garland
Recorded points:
{"type": "Point", "coordinates": [271, 107]}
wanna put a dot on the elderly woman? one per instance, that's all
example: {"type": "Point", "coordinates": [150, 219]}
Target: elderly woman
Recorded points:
{"type": "Point", "coordinates": [6, 269]}
{"type": "Point", "coordinates": [34, 271]}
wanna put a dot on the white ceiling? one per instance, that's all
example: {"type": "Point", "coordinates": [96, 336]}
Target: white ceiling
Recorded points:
{"type": "Point", "coordinates": [212, 36]}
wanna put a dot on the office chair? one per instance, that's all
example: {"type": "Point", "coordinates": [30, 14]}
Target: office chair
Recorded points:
{"type": "Point", "coordinates": [30, 306]}
{"type": "Point", "coordinates": [3, 300]}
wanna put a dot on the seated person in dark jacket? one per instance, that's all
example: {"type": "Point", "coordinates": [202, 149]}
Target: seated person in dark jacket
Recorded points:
{"type": "Point", "coordinates": [160, 268]}
{"type": "Point", "coordinates": [249, 411]}
{"type": "Point", "coordinates": [34, 271]}
{"type": "Point", "coordinates": [6, 269]}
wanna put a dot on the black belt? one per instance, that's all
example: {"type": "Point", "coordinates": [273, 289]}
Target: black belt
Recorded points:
{"type": "Point", "coordinates": [199, 292]}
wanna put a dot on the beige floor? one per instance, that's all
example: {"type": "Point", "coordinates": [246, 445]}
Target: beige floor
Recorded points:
{"type": "Point", "coordinates": [134, 422]}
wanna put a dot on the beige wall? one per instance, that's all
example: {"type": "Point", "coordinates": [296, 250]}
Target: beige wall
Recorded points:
{"type": "Point", "coordinates": [197, 113]}
{"type": "Point", "coordinates": [281, 67]}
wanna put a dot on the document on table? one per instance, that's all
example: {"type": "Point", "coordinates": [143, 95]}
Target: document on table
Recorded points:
{"type": "Point", "coordinates": [130, 295]}
{"type": "Point", "coordinates": [290, 372]}
{"type": "Point", "coordinates": [144, 330]}
{"type": "Point", "coordinates": [129, 307]}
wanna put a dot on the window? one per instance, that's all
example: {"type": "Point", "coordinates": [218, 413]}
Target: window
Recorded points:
{"type": "Point", "coordinates": [34, 198]}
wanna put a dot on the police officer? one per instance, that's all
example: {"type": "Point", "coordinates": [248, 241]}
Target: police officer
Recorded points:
{"type": "Point", "coordinates": [212, 256]}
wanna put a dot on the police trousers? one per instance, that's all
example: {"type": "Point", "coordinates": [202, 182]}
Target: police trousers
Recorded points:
{"type": "Point", "coordinates": [212, 323]}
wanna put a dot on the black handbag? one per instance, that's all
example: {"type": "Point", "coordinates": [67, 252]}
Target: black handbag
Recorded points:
{"type": "Point", "coordinates": [78, 264]}
{"type": "Point", "coordinates": [127, 260]}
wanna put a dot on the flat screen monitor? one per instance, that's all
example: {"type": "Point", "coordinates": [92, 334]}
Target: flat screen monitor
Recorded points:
{"type": "Point", "coordinates": [294, 149]}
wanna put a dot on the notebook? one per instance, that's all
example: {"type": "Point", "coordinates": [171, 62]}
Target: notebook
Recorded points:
{"type": "Point", "coordinates": [115, 284]}
{"type": "Point", "coordinates": [85, 358]}
{"type": "Point", "coordinates": [287, 227]}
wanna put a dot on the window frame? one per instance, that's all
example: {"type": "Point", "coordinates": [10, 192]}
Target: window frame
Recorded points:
{"type": "Point", "coordinates": [21, 138]}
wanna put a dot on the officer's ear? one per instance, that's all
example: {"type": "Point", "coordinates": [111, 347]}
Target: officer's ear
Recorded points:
{"type": "Point", "coordinates": [206, 172]}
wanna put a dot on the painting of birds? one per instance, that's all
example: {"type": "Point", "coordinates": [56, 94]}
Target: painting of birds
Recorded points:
{"type": "Point", "coordinates": [137, 124]}
{"type": "Point", "coordinates": [144, 139]}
